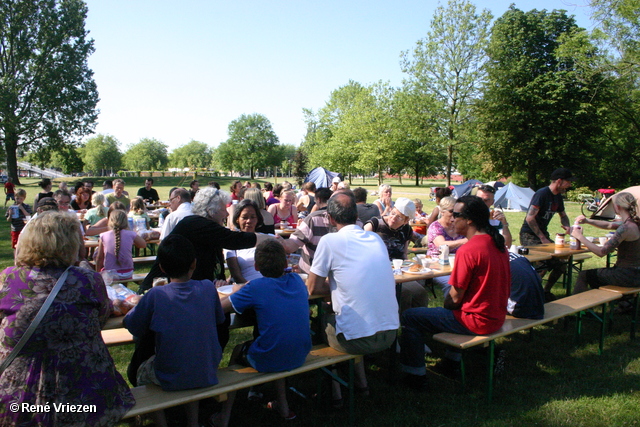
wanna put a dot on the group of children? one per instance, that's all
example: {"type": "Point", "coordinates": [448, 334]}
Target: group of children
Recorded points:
{"type": "Point", "coordinates": [184, 314]}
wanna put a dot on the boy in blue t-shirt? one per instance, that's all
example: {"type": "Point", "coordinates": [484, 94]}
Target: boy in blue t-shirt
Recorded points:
{"type": "Point", "coordinates": [183, 315]}
{"type": "Point", "coordinates": [281, 304]}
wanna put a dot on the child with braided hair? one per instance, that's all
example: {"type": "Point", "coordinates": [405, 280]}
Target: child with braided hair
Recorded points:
{"type": "Point", "coordinates": [114, 248]}
{"type": "Point", "coordinates": [626, 271]}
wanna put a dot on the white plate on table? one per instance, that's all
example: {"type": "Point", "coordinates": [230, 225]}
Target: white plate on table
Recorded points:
{"type": "Point", "coordinates": [225, 290]}
{"type": "Point", "coordinates": [423, 271]}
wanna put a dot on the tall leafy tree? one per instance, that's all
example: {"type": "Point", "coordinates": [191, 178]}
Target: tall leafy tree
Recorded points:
{"type": "Point", "coordinates": [252, 145]}
{"type": "Point", "coordinates": [448, 64]}
{"type": "Point", "coordinates": [101, 154]}
{"type": "Point", "coordinates": [47, 93]}
{"type": "Point", "coordinates": [148, 154]}
{"type": "Point", "coordinates": [331, 141]}
{"type": "Point", "coordinates": [620, 22]}
{"type": "Point", "coordinates": [418, 144]}
{"type": "Point", "coordinates": [538, 111]}
{"type": "Point", "coordinates": [193, 155]}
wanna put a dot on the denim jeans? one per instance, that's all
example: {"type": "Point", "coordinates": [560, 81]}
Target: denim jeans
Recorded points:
{"type": "Point", "coordinates": [416, 324]}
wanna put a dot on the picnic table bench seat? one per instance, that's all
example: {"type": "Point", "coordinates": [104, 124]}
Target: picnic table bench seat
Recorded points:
{"type": "Point", "coordinates": [553, 311]}
{"type": "Point", "coordinates": [150, 398]}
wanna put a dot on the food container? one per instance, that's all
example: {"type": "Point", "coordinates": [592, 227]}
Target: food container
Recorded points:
{"type": "Point", "coordinates": [559, 240]}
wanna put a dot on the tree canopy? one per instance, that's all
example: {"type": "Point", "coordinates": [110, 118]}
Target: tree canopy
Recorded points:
{"type": "Point", "coordinates": [48, 96]}
{"type": "Point", "coordinates": [252, 145]}
{"type": "Point", "coordinates": [193, 155]}
{"type": "Point", "coordinates": [101, 154]}
{"type": "Point", "coordinates": [148, 154]}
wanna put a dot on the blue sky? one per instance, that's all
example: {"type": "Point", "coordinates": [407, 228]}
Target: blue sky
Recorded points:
{"type": "Point", "coordinates": [177, 71]}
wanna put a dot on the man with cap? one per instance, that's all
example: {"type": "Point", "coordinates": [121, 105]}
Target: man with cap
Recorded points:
{"type": "Point", "coordinates": [396, 233]}
{"type": "Point", "coordinates": [544, 204]}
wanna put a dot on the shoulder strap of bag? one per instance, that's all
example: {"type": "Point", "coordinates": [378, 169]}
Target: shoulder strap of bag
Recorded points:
{"type": "Point", "coordinates": [36, 321]}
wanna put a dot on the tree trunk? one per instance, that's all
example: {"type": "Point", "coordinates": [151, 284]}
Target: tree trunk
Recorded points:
{"type": "Point", "coordinates": [449, 163]}
{"type": "Point", "coordinates": [11, 148]}
{"type": "Point", "coordinates": [251, 172]}
{"type": "Point", "coordinates": [532, 179]}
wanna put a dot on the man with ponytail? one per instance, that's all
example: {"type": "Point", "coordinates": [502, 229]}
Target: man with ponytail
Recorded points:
{"type": "Point", "coordinates": [477, 302]}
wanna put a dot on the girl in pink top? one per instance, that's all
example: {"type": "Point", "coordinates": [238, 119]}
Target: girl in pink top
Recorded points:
{"type": "Point", "coordinates": [285, 210]}
{"type": "Point", "coordinates": [114, 249]}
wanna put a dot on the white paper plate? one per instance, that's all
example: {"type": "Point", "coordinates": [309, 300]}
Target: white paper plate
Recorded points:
{"type": "Point", "coordinates": [423, 271]}
{"type": "Point", "coordinates": [225, 290]}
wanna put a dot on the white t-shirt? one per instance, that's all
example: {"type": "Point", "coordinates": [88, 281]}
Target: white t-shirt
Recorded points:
{"type": "Point", "coordinates": [246, 261]}
{"type": "Point", "coordinates": [363, 290]}
{"type": "Point", "coordinates": [174, 218]}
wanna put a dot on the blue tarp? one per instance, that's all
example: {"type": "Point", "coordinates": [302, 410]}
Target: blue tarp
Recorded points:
{"type": "Point", "coordinates": [513, 197]}
{"type": "Point", "coordinates": [464, 189]}
{"type": "Point", "coordinates": [321, 177]}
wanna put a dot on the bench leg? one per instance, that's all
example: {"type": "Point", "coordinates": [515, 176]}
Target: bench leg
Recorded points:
{"type": "Point", "coordinates": [490, 364]}
{"type": "Point", "coordinates": [634, 318]}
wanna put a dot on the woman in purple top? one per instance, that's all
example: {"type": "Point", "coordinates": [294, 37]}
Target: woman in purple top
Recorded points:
{"type": "Point", "coordinates": [441, 232]}
{"type": "Point", "coordinates": [65, 362]}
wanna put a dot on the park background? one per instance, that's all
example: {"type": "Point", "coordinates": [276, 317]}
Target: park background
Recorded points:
{"type": "Point", "coordinates": [512, 96]}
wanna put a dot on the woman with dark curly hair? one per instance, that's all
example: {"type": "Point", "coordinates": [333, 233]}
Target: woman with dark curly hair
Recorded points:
{"type": "Point", "coordinates": [65, 361]}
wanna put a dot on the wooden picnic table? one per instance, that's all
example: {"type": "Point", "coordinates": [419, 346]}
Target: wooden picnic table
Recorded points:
{"type": "Point", "coordinates": [562, 253]}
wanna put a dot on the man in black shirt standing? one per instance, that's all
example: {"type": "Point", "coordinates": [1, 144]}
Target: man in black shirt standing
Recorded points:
{"type": "Point", "coordinates": [150, 195]}
{"type": "Point", "coordinates": [544, 204]}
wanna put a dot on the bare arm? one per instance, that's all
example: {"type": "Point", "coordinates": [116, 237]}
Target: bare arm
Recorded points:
{"type": "Point", "coordinates": [453, 301]}
{"type": "Point", "coordinates": [453, 244]}
{"type": "Point", "coordinates": [564, 220]}
{"type": "Point", "coordinates": [531, 220]}
{"type": "Point", "coordinates": [605, 225]}
{"type": "Point", "coordinates": [506, 233]}
{"type": "Point", "coordinates": [317, 285]}
{"type": "Point", "coordinates": [100, 257]}
{"type": "Point", "coordinates": [235, 270]}
{"type": "Point", "coordinates": [368, 227]}
{"type": "Point", "coordinates": [434, 215]}
{"type": "Point", "coordinates": [621, 235]}
{"type": "Point", "coordinates": [139, 242]}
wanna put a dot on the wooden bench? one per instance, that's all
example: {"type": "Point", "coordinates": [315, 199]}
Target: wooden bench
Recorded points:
{"type": "Point", "coordinates": [118, 336]}
{"type": "Point", "coordinates": [624, 291]}
{"type": "Point", "coordinates": [150, 398]}
{"type": "Point", "coordinates": [553, 311]}
{"type": "Point", "coordinates": [144, 259]}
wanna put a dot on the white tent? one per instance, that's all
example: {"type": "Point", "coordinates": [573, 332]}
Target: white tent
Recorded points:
{"type": "Point", "coordinates": [512, 197]}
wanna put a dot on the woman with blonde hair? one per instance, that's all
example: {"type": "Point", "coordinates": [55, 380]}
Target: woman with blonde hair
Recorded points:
{"type": "Point", "coordinates": [626, 271]}
{"type": "Point", "coordinates": [65, 358]}
{"type": "Point", "coordinates": [442, 232]}
{"type": "Point", "coordinates": [384, 203]}
{"type": "Point", "coordinates": [285, 211]}
{"type": "Point", "coordinates": [114, 247]}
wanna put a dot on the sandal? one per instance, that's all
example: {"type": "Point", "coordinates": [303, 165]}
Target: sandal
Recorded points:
{"type": "Point", "coordinates": [273, 406]}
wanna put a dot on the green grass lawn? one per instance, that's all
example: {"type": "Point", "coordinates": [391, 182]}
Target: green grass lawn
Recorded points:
{"type": "Point", "coordinates": [550, 380]}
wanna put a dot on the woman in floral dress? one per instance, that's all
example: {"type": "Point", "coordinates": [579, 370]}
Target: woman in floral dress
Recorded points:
{"type": "Point", "coordinates": [65, 363]}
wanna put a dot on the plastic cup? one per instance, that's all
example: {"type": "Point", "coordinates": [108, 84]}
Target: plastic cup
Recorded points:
{"type": "Point", "coordinates": [590, 239]}
{"type": "Point", "coordinates": [602, 240]}
{"type": "Point", "coordinates": [397, 264]}
{"type": "Point", "coordinates": [452, 258]}
{"type": "Point", "coordinates": [425, 262]}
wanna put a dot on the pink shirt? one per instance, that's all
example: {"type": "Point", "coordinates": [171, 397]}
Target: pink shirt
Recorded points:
{"type": "Point", "coordinates": [109, 246]}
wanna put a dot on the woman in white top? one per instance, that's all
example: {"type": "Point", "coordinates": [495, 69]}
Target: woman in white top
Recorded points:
{"type": "Point", "coordinates": [384, 203]}
{"type": "Point", "coordinates": [246, 218]}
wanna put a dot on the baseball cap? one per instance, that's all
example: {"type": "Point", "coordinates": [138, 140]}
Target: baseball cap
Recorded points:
{"type": "Point", "coordinates": [562, 173]}
{"type": "Point", "coordinates": [406, 207]}
{"type": "Point", "coordinates": [336, 179]}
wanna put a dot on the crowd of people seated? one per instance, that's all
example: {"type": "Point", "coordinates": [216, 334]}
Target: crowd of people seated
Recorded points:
{"type": "Point", "coordinates": [345, 245]}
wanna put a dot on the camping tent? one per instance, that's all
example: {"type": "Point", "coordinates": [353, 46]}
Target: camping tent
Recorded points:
{"type": "Point", "coordinates": [605, 211]}
{"type": "Point", "coordinates": [465, 188]}
{"type": "Point", "coordinates": [496, 184]}
{"type": "Point", "coordinates": [513, 197]}
{"type": "Point", "coordinates": [321, 177]}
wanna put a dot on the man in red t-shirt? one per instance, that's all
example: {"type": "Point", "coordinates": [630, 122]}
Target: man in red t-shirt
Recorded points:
{"type": "Point", "coordinates": [477, 302]}
{"type": "Point", "coordinates": [9, 190]}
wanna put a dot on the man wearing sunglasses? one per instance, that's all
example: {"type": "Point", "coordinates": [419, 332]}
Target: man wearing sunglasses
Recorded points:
{"type": "Point", "coordinates": [477, 301]}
